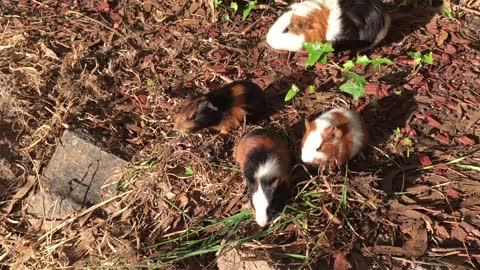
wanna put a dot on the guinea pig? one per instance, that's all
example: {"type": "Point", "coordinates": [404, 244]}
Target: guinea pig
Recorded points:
{"type": "Point", "coordinates": [223, 108]}
{"type": "Point", "coordinates": [335, 136]}
{"type": "Point", "coordinates": [264, 160]}
{"type": "Point", "coordinates": [349, 24]}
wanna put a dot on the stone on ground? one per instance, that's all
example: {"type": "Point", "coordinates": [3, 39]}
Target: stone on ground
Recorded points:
{"type": "Point", "coordinates": [79, 175]}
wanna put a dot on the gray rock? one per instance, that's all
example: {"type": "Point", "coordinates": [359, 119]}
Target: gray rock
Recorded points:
{"type": "Point", "coordinates": [235, 259]}
{"type": "Point", "coordinates": [78, 176]}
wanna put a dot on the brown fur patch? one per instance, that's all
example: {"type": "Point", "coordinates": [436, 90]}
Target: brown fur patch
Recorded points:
{"type": "Point", "coordinates": [276, 145]}
{"type": "Point", "coordinates": [314, 27]}
{"type": "Point", "coordinates": [237, 114]}
{"type": "Point", "coordinates": [182, 121]}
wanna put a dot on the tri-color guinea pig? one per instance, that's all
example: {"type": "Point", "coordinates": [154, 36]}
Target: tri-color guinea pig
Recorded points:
{"type": "Point", "coordinates": [224, 108]}
{"type": "Point", "coordinates": [335, 136]}
{"type": "Point", "coordinates": [265, 160]}
{"type": "Point", "coordinates": [349, 24]}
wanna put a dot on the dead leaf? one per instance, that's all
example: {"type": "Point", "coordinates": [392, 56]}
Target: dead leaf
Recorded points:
{"type": "Point", "coordinates": [443, 36]}
{"type": "Point", "coordinates": [465, 140]}
{"type": "Point", "coordinates": [47, 52]}
{"type": "Point", "coordinates": [432, 122]}
{"type": "Point", "coordinates": [341, 262]}
{"type": "Point", "coordinates": [418, 243]}
{"type": "Point", "coordinates": [440, 230]}
{"type": "Point", "coordinates": [21, 192]}
{"type": "Point", "coordinates": [459, 234]}
{"type": "Point", "coordinates": [183, 199]}
{"type": "Point", "coordinates": [453, 193]}
{"type": "Point", "coordinates": [442, 139]}
{"type": "Point", "coordinates": [425, 160]}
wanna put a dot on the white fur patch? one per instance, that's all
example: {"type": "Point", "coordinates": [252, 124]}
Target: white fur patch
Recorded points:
{"type": "Point", "coordinates": [303, 9]}
{"type": "Point", "coordinates": [279, 40]}
{"type": "Point", "coordinates": [260, 203]}
{"type": "Point", "coordinates": [314, 140]}
{"type": "Point", "coordinates": [334, 20]}
{"type": "Point", "coordinates": [270, 169]}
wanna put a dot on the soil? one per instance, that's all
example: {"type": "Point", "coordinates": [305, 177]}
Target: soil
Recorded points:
{"type": "Point", "coordinates": [122, 69]}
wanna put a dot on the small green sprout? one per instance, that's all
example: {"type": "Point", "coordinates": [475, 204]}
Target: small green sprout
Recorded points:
{"type": "Point", "coordinates": [311, 89]}
{"type": "Point", "coordinates": [292, 92]}
{"type": "Point", "coordinates": [217, 3]}
{"type": "Point", "coordinates": [150, 82]}
{"type": "Point", "coordinates": [248, 9]}
{"type": "Point", "coordinates": [188, 171]}
{"type": "Point", "coordinates": [234, 6]}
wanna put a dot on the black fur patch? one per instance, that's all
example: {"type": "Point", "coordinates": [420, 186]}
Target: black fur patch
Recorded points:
{"type": "Point", "coordinates": [276, 191]}
{"type": "Point", "coordinates": [362, 21]}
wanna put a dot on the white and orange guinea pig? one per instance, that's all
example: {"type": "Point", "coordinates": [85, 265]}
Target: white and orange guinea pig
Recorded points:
{"type": "Point", "coordinates": [333, 137]}
{"type": "Point", "coordinates": [224, 108]}
{"type": "Point", "coordinates": [264, 160]}
{"type": "Point", "coordinates": [349, 24]}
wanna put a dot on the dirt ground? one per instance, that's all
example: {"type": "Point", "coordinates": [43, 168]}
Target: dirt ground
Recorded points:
{"type": "Point", "coordinates": [124, 68]}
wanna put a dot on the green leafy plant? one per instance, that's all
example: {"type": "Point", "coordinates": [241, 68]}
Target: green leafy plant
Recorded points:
{"type": "Point", "coordinates": [248, 9]}
{"type": "Point", "coordinates": [363, 60]}
{"type": "Point", "coordinates": [150, 83]}
{"type": "Point", "coordinates": [188, 171]}
{"type": "Point", "coordinates": [234, 6]}
{"type": "Point", "coordinates": [217, 3]}
{"type": "Point", "coordinates": [447, 12]}
{"type": "Point", "coordinates": [355, 86]}
{"type": "Point", "coordinates": [311, 89]}
{"type": "Point", "coordinates": [317, 51]}
{"type": "Point", "coordinates": [225, 17]}
{"type": "Point", "coordinates": [348, 65]}
{"type": "Point", "coordinates": [418, 58]}
{"type": "Point", "coordinates": [292, 92]}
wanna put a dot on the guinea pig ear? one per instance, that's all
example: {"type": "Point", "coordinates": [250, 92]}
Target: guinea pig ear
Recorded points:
{"type": "Point", "coordinates": [204, 105]}
{"type": "Point", "coordinates": [337, 132]}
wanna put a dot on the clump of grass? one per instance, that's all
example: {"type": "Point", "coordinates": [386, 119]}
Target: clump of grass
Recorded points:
{"type": "Point", "coordinates": [305, 222]}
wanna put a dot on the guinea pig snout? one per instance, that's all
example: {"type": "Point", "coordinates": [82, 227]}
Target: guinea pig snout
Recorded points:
{"type": "Point", "coordinates": [260, 204]}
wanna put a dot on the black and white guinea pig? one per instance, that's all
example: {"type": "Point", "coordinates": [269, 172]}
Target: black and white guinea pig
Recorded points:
{"type": "Point", "coordinates": [265, 161]}
{"type": "Point", "coordinates": [334, 136]}
{"type": "Point", "coordinates": [223, 108]}
{"type": "Point", "coordinates": [349, 24]}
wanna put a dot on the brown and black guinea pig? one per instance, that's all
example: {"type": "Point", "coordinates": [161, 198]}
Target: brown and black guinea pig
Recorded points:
{"type": "Point", "coordinates": [224, 108]}
{"type": "Point", "coordinates": [355, 25]}
{"type": "Point", "coordinates": [265, 160]}
{"type": "Point", "coordinates": [335, 136]}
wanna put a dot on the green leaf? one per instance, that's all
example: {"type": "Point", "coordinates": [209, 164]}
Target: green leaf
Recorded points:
{"type": "Point", "coordinates": [188, 171]}
{"type": "Point", "coordinates": [398, 93]}
{"type": "Point", "coordinates": [348, 65]}
{"type": "Point", "coordinates": [150, 83]}
{"type": "Point", "coordinates": [234, 6]}
{"type": "Point", "coordinates": [358, 79]}
{"type": "Point", "coordinates": [317, 51]}
{"type": "Point", "coordinates": [217, 3]}
{"type": "Point", "coordinates": [311, 89]}
{"type": "Point", "coordinates": [428, 58]}
{"type": "Point", "coordinates": [379, 61]}
{"type": "Point", "coordinates": [397, 132]}
{"type": "Point", "coordinates": [363, 60]}
{"type": "Point", "coordinates": [448, 13]}
{"type": "Point", "coordinates": [225, 17]}
{"type": "Point", "coordinates": [353, 89]}
{"type": "Point", "coordinates": [407, 141]}
{"type": "Point", "coordinates": [417, 57]}
{"type": "Point", "coordinates": [248, 9]}
{"type": "Point", "coordinates": [292, 92]}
